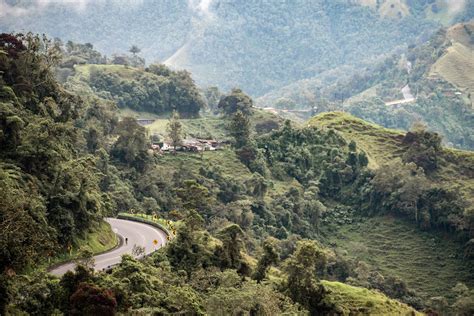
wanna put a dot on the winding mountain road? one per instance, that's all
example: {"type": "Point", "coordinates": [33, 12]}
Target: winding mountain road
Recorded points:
{"type": "Point", "coordinates": [137, 234]}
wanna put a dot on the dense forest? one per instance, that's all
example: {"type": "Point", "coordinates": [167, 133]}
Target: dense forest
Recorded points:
{"type": "Point", "coordinates": [254, 220]}
{"type": "Point", "coordinates": [443, 104]}
{"type": "Point", "coordinates": [258, 46]}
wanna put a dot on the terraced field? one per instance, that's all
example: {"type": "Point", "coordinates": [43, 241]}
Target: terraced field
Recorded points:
{"type": "Point", "coordinates": [457, 64]}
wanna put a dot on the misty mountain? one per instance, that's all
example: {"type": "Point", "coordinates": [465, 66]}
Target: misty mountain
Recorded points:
{"type": "Point", "coordinates": [258, 46]}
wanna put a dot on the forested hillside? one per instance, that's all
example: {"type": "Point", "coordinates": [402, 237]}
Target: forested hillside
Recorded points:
{"type": "Point", "coordinates": [67, 162]}
{"type": "Point", "coordinates": [257, 46]}
{"type": "Point", "coordinates": [436, 73]}
{"type": "Point", "coordinates": [336, 216]}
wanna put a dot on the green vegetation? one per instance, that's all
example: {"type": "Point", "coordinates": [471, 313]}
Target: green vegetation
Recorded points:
{"type": "Point", "coordinates": [279, 43]}
{"type": "Point", "coordinates": [261, 222]}
{"type": "Point", "coordinates": [98, 240]}
{"type": "Point", "coordinates": [384, 145]}
{"type": "Point", "coordinates": [349, 300]}
{"type": "Point", "coordinates": [437, 74]}
{"type": "Point", "coordinates": [396, 247]}
{"type": "Point", "coordinates": [50, 183]}
{"type": "Point", "coordinates": [156, 89]}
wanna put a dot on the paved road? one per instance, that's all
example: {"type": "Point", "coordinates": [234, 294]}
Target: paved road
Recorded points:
{"type": "Point", "coordinates": [137, 233]}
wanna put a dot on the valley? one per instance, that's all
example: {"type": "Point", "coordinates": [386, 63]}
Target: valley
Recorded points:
{"type": "Point", "coordinates": [211, 157]}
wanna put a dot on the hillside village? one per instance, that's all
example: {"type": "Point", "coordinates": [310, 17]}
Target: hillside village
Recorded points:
{"type": "Point", "coordinates": [189, 145]}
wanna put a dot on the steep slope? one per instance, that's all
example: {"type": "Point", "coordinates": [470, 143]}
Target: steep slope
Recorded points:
{"type": "Point", "coordinates": [257, 46]}
{"type": "Point", "coordinates": [383, 145]}
{"type": "Point", "coordinates": [351, 299]}
{"type": "Point", "coordinates": [392, 243]}
{"type": "Point", "coordinates": [437, 73]}
{"type": "Point", "coordinates": [457, 64]}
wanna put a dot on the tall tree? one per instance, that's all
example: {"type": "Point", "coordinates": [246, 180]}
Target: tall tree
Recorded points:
{"type": "Point", "coordinates": [237, 100]}
{"type": "Point", "coordinates": [240, 129]}
{"type": "Point", "coordinates": [175, 132]}
{"type": "Point", "coordinates": [270, 256]}
{"type": "Point", "coordinates": [132, 143]}
{"type": "Point", "coordinates": [302, 285]}
{"type": "Point", "coordinates": [229, 253]}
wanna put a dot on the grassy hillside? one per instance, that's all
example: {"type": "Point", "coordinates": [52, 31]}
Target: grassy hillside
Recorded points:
{"type": "Point", "coordinates": [457, 64]}
{"type": "Point", "coordinates": [396, 247]}
{"type": "Point", "coordinates": [99, 239]}
{"type": "Point", "coordinates": [351, 300]}
{"type": "Point", "coordinates": [206, 126]}
{"type": "Point", "coordinates": [438, 73]}
{"type": "Point", "coordinates": [382, 145]}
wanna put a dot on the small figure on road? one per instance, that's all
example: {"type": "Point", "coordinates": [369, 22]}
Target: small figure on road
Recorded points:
{"type": "Point", "coordinates": [126, 241]}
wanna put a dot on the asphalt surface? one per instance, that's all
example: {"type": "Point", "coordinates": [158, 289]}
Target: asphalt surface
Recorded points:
{"type": "Point", "coordinates": [137, 234]}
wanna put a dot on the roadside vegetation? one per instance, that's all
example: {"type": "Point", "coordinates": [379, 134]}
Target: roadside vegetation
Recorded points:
{"type": "Point", "coordinates": [262, 221]}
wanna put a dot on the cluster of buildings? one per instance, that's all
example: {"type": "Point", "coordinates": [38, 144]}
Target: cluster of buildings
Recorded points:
{"type": "Point", "coordinates": [191, 145]}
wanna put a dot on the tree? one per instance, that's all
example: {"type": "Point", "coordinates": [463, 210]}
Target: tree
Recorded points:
{"type": "Point", "coordinates": [398, 188]}
{"type": "Point", "coordinates": [86, 258]}
{"type": "Point", "coordinates": [150, 205]}
{"type": "Point", "coordinates": [134, 50]}
{"type": "Point", "coordinates": [464, 304]}
{"type": "Point", "coordinates": [237, 100]}
{"type": "Point", "coordinates": [132, 142]}
{"type": "Point", "coordinates": [423, 148]}
{"type": "Point", "coordinates": [213, 96]}
{"type": "Point", "coordinates": [194, 196]}
{"type": "Point", "coordinates": [240, 129]}
{"type": "Point", "coordinates": [301, 283]}
{"type": "Point", "coordinates": [229, 254]}
{"type": "Point", "coordinates": [92, 300]}
{"type": "Point", "coordinates": [270, 256]}
{"type": "Point", "coordinates": [187, 251]}
{"type": "Point", "coordinates": [174, 129]}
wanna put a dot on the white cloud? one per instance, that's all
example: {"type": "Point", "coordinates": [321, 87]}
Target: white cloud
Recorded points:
{"type": "Point", "coordinates": [34, 6]}
{"type": "Point", "coordinates": [455, 6]}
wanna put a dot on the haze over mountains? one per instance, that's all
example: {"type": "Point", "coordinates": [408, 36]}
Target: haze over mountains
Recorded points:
{"type": "Point", "coordinates": [344, 197]}
{"type": "Point", "coordinates": [257, 46]}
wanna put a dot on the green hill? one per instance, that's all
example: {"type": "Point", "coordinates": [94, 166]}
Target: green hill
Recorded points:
{"type": "Point", "coordinates": [355, 300]}
{"type": "Point", "coordinates": [431, 82]}
{"type": "Point", "coordinates": [155, 89]}
{"type": "Point", "coordinates": [457, 64]}
{"type": "Point", "coordinates": [395, 245]}
{"type": "Point", "coordinates": [257, 46]}
{"type": "Point", "coordinates": [383, 145]}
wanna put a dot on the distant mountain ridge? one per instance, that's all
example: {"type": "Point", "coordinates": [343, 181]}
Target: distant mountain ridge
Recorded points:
{"type": "Point", "coordinates": [438, 73]}
{"type": "Point", "coordinates": [258, 46]}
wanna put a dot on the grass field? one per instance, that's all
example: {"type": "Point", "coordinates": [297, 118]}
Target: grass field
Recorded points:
{"type": "Point", "coordinates": [429, 262]}
{"type": "Point", "coordinates": [225, 159]}
{"type": "Point", "coordinates": [351, 300]}
{"type": "Point", "coordinates": [380, 144]}
{"type": "Point", "coordinates": [457, 65]}
{"type": "Point", "coordinates": [204, 127]}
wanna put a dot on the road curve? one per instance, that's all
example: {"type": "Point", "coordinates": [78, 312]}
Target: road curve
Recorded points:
{"type": "Point", "coordinates": [137, 234]}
